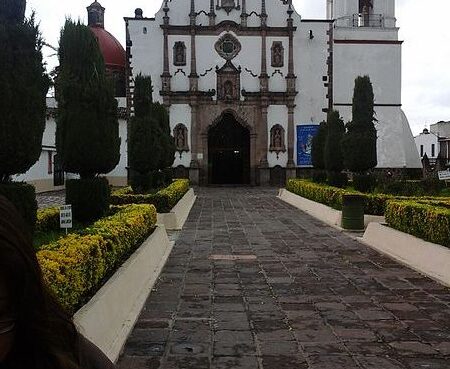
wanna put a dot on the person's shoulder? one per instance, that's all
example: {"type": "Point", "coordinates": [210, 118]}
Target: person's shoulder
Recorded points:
{"type": "Point", "coordinates": [91, 357]}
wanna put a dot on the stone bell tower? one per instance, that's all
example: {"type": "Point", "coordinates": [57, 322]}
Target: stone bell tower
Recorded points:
{"type": "Point", "coordinates": [96, 15]}
{"type": "Point", "coordinates": [362, 13]}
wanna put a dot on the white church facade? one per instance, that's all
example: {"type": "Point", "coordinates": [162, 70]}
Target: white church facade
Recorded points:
{"type": "Point", "coordinates": [246, 83]}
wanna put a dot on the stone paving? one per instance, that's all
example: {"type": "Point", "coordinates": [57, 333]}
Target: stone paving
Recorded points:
{"type": "Point", "coordinates": [254, 283]}
{"type": "Point", "coordinates": [50, 199]}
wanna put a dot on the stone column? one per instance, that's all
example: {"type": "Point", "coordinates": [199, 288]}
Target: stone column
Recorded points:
{"type": "Point", "coordinates": [244, 14]}
{"type": "Point", "coordinates": [166, 77]}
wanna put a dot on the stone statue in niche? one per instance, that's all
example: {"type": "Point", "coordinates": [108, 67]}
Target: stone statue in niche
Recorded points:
{"type": "Point", "coordinates": [277, 140]}
{"type": "Point", "coordinates": [180, 133]}
{"type": "Point", "coordinates": [228, 90]}
{"type": "Point", "coordinates": [228, 4]}
{"type": "Point", "coordinates": [179, 54]}
{"type": "Point", "coordinates": [277, 54]}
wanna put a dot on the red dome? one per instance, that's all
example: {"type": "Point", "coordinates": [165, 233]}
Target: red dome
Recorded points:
{"type": "Point", "coordinates": [113, 52]}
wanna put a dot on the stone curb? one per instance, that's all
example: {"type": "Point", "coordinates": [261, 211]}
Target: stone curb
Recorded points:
{"type": "Point", "coordinates": [108, 318]}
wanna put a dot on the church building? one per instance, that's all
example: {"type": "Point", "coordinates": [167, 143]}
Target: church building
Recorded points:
{"type": "Point", "coordinates": [246, 82]}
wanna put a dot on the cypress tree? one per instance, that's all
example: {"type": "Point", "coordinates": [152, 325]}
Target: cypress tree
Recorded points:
{"type": "Point", "coordinates": [333, 158]}
{"type": "Point", "coordinates": [144, 144]}
{"type": "Point", "coordinates": [167, 140]}
{"type": "Point", "coordinates": [360, 141]}
{"type": "Point", "coordinates": [87, 135]}
{"type": "Point", "coordinates": [318, 147]}
{"type": "Point", "coordinates": [24, 85]}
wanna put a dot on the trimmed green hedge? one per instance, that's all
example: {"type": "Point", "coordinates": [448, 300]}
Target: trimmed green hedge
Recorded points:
{"type": "Point", "coordinates": [164, 200]}
{"type": "Point", "coordinates": [430, 222]}
{"type": "Point", "coordinates": [76, 266]}
{"type": "Point", "coordinates": [332, 196]}
{"type": "Point", "coordinates": [47, 220]}
{"type": "Point", "coordinates": [23, 197]}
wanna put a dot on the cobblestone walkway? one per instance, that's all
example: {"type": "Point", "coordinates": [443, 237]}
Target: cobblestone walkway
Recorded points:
{"type": "Point", "coordinates": [50, 199]}
{"type": "Point", "coordinates": [254, 283]}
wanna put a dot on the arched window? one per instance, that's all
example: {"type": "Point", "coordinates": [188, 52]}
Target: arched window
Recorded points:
{"type": "Point", "coordinates": [277, 139]}
{"type": "Point", "coordinates": [180, 134]}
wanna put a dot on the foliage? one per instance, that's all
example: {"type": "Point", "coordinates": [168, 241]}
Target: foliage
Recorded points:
{"type": "Point", "coordinates": [47, 219]}
{"type": "Point", "coordinates": [375, 204]}
{"type": "Point", "coordinates": [151, 145]}
{"type": "Point", "coordinates": [319, 176]}
{"type": "Point", "coordinates": [76, 266]}
{"type": "Point", "coordinates": [87, 134]}
{"type": "Point", "coordinates": [12, 11]}
{"type": "Point", "coordinates": [427, 221]}
{"type": "Point", "coordinates": [89, 198]}
{"type": "Point", "coordinates": [163, 200]}
{"type": "Point", "coordinates": [333, 151]}
{"type": "Point", "coordinates": [359, 144]}
{"type": "Point", "coordinates": [337, 179]}
{"type": "Point", "coordinates": [23, 197]}
{"type": "Point", "coordinates": [318, 147]}
{"type": "Point", "coordinates": [23, 91]}
{"type": "Point", "coordinates": [364, 182]}
{"type": "Point", "coordinates": [425, 187]}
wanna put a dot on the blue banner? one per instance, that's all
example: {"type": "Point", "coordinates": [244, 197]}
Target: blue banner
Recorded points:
{"type": "Point", "coordinates": [305, 135]}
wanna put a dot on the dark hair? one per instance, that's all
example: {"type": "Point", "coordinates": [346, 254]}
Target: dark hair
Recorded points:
{"type": "Point", "coordinates": [45, 336]}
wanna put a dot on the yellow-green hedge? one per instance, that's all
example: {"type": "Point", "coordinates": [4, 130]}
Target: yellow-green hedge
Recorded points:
{"type": "Point", "coordinates": [332, 196]}
{"type": "Point", "coordinates": [47, 220]}
{"type": "Point", "coordinates": [164, 200]}
{"type": "Point", "coordinates": [75, 266]}
{"type": "Point", "coordinates": [430, 222]}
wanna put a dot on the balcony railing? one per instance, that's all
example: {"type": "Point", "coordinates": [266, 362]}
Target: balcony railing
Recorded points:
{"type": "Point", "coordinates": [368, 20]}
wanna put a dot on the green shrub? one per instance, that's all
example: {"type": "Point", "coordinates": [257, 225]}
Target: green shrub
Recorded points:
{"type": "Point", "coordinates": [76, 266]}
{"type": "Point", "coordinates": [23, 197]}
{"type": "Point", "coordinates": [426, 221]}
{"type": "Point", "coordinates": [318, 147]}
{"type": "Point", "coordinates": [319, 176]}
{"type": "Point", "coordinates": [163, 200]}
{"type": "Point", "coordinates": [332, 196]}
{"type": "Point", "coordinates": [365, 183]}
{"type": "Point", "coordinates": [337, 179]}
{"type": "Point", "coordinates": [89, 198]}
{"type": "Point", "coordinates": [47, 220]}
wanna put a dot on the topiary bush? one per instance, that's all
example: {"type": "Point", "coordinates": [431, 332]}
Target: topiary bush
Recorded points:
{"type": "Point", "coordinates": [23, 197]}
{"type": "Point", "coordinates": [89, 198]}
{"type": "Point", "coordinates": [365, 183]}
{"type": "Point", "coordinates": [337, 179]}
{"type": "Point", "coordinates": [318, 147]}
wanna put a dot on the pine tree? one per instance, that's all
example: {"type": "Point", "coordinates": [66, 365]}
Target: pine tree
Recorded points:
{"type": "Point", "coordinates": [318, 147]}
{"type": "Point", "coordinates": [144, 144]}
{"type": "Point", "coordinates": [360, 141]}
{"type": "Point", "coordinates": [24, 85]}
{"type": "Point", "coordinates": [87, 135]}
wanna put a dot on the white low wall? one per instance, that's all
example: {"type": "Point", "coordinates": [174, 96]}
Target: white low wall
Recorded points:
{"type": "Point", "coordinates": [322, 212]}
{"type": "Point", "coordinates": [110, 315]}
{"type": "Point", "coordinates": [425, 257]}
{"type": "Point", "coordinates": [177, 217]}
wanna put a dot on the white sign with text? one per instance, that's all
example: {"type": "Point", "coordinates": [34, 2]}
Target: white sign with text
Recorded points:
{"type": "Point", "coordinates": [444, 175]}
{"type": "Point", "coordinates": [65, 216]}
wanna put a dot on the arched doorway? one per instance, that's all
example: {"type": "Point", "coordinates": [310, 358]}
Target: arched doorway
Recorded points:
{"type": "Point", "coordinates": [229, 152]}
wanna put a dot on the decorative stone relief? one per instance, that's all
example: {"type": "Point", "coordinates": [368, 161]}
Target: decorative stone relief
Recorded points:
{"type": "Point", "coordinates": [180, 134]}
{"type": "Point", "coordinates": [228, 82]}
{"type": "Point", "coordinates": [228, 5]}
{"type": "Point", "coordinates": [228, 46]}
{"type": "Point", "coordinates": [277, 54]}
{"type": "Point", "coordinates": [179, 54]}
{"type": "Point", "coordinates": [277, 138]}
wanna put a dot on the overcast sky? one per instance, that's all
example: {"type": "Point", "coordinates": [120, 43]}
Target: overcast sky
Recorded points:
{"type": "Point", "coordinates": [423, 27]}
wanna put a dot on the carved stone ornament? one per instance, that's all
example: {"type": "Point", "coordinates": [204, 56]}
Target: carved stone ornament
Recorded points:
{"type": "Point", "coordinates": [277, 144]}
{"type": "Point", "coordinates": [180, 134]}
{"type": "Point", "coordinates": [228, 46]}
{"type": "Point", "coordinates": [228, 82]}
{"type": "Point", "coordinates": [277, 54]}
{"type": "Point", "coordinates": [228, 5]}
{"type": "Point", "coordinates": [179, 54]}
